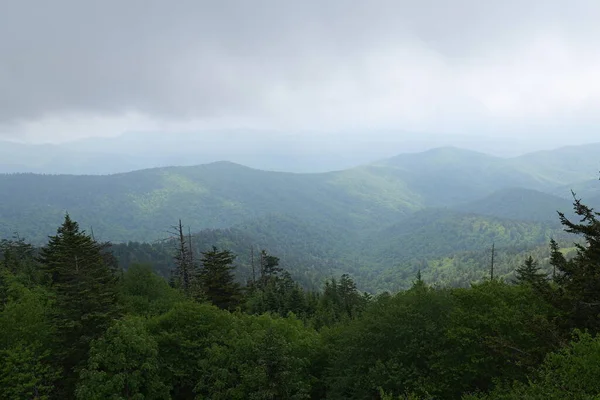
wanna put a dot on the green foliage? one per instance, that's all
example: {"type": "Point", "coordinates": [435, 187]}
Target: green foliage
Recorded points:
{"type": "Point", "coordinates": [266, 358]}
{"type": "Point", "coordinates": [18, 258]}
{"type": "Point", "coordinates": [26, 370]}
{"type": "Point", "coordinates": [497, 332]}
{"type": "Point", "coordinates": [26, 373]}
{"type": "Point", "coordinates": [269, 268]}
{"type": "Point", "coordinates": [184, 334]}
{"type": "Point", "coordinates": [217, 279]}
{"type": "Point", "coordinates": [579, 278]}
{"type": "Point", "coordinates": [123, 364]}
{"type": "Point", "coordinates": [142, 292]}
{"type": "Point", "coordinates": [518, 204]}
{"type": "Point", "coordinates": [278, 295]}
{"type": "Point", "coordinates": [441, 343]}
{"type": "Point", "coordinates": [529, 274]}
{"type": "Point", "coordinates": [63, 335]}
{"type": "Point", "coordinates": [394, 346]}
{"type": "Point", "coordinates": [570, 373]}
{"type": "Point", "coordinates": [85, 290]}
{"type": "Point", "coordinates": [340, 301]}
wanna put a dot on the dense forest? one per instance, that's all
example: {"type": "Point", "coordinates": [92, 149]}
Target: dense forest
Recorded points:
{"type": "Point", "coordinates": [438, 211]}
{"type": "Point", "coordinates": [77, 324]}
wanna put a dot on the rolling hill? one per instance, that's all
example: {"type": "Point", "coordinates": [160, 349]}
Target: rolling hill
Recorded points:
{"type": "Point", "coordinates": [563, 165]}
{"type": "Point", "coordinates": [383, 259]}
{"type": "Point", "coordinates": [392, 215]}
{"type": "Point", "coordinates": [141, 205]}
{"type": "Point", "coordinates": [519, 204]}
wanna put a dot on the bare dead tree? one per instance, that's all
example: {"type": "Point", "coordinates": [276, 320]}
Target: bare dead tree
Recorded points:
{"type": "Point", "coordinates": [492, 263]}
{"type": "Point", "coordinates": [184, 266]}
{"type": "Point", "coordinates": [252, 264]}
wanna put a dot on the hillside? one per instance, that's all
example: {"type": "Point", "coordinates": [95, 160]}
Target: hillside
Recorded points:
{"type": "Point", "coordinates": [519, 204]}
{"type": "Point", "coordinates": [380, 259]}
{"type": "Point", "coordinates": [391, 257]}
{"type": "Point", "coordinates": [448, 175]}
{"type": "Point", "coordinates": [379, 222]}
{"type": "Point", "coordinates": [141, 205]}
{"type": "Point", "coordinates": [563, 165]}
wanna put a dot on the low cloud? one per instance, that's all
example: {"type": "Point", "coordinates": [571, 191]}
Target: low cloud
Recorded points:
{"type": "Point", "coordinates": [83, 68]}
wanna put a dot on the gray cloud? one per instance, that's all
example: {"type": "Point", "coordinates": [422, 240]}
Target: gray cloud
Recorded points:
{"type": "Point", "coordinates": [416, 65]}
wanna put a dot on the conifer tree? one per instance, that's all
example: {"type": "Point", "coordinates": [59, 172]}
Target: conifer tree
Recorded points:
{"type": "Point", "coordinates": [350, 297]}
{"type": "Point", "coordinates": [529, 273]}
{"type": "Point", "coordinates": [269, 267]}
{"type": "Point", "coordinates": [85, 290]}
{"type": "Point", "coordinates": [557, 259]}
{"type": "Point", "coordinates": [579, 278]}
{"type": "Point", "coordinates": [217, 278]}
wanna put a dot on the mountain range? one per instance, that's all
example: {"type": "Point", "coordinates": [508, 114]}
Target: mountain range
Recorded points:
{"type": "Point", "coordinates": [302, 152]}
{"type": "Point", "coordinates": [396, 213]}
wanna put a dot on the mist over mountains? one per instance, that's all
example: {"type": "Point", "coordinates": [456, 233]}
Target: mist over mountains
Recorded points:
{"type": "Point", "coordinates": [268, 150]}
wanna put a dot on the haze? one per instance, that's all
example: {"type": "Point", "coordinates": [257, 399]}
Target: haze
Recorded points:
{"type": "Point", "coordinates": [320, 77]}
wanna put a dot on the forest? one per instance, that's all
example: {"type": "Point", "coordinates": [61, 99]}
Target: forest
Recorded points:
{"type": "Point", "coordinates": [75, 324]}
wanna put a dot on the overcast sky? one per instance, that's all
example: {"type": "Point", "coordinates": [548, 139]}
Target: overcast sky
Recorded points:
{"type": "Point", "coordinates": [503, 68]}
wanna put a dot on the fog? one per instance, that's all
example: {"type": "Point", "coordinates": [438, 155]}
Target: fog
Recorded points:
{"type": "Point", "coordinates": [319, 78]}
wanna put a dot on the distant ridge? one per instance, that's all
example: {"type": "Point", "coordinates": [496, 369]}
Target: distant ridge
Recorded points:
{"type": "Point", "coordinates": [273, 151]}
{"type": "Point", "coordinates": [519, 204]}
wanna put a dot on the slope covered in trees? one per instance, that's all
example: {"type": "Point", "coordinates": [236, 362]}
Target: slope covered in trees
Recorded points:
{"type": "Point", "coordinates": [385, 259]}
{"type": "Point", "coordinates": [519, 204]}
{"type": "Point", "coordinates": [74, 325]}
{"type": "Point", "coordinates": [140, 205]}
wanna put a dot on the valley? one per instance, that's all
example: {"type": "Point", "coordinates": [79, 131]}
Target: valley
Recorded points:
{"type": "Point", "coordinates": [380, 222]}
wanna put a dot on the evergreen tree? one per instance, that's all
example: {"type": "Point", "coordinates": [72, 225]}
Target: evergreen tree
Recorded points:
{"type": "Point", "coordinates": [217, 278]}
{"type": "Point", "coordinates": [18, 258]}
{"type": "Point", "coordinates": [85, 290]}
{"type": "Point", "coordinates": [529, 273]}
{"type": "Point", "coordinates": [351, 299]}
{"type": "Point", "coordinates": [269, 267]}
{"type": "Point", "coordinates": [557, 260]}
{"type": "Point", "coordinates": [14, 253]}
{"type": "Point", "coordinates": [579, 278]}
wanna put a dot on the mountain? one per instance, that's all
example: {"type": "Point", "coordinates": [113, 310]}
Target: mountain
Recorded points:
{"type": "Point", "coordinates": [519, 204]}
{"type": "Point", "coordinates": [563, 165]}
{"type": "Point", "coordinates": [267, 150]}
{"type": "Point", "coordinates": [302, 152]}
{"type": "Point", "coordinates": [449, 175]}
{"type": "Point", "coordinates": [378, 221]}
{"type": "Point", "coordinates": [141, 205]}
{"type": "Point", "coordinates": [586, 189]}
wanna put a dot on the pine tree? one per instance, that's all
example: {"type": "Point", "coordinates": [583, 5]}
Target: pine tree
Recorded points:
{"type": "Point", "coordinates": [529, 273]}
{"type": "Point", "coordinates": [217, 278]}
{"type": "Point", "coordinates": [269, 267]}
{"type": "Point", "coordinates": [350, 297]}
{"type": "Point", "coordinates": [85, 290]}
{"type": "Point", "coordinates": [579, 278]}
{"type": "Point", "coordinates": [557, 260]}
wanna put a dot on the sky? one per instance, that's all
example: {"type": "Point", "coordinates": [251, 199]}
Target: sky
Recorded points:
{"type": "Point", "coordinates": [512, 69]}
